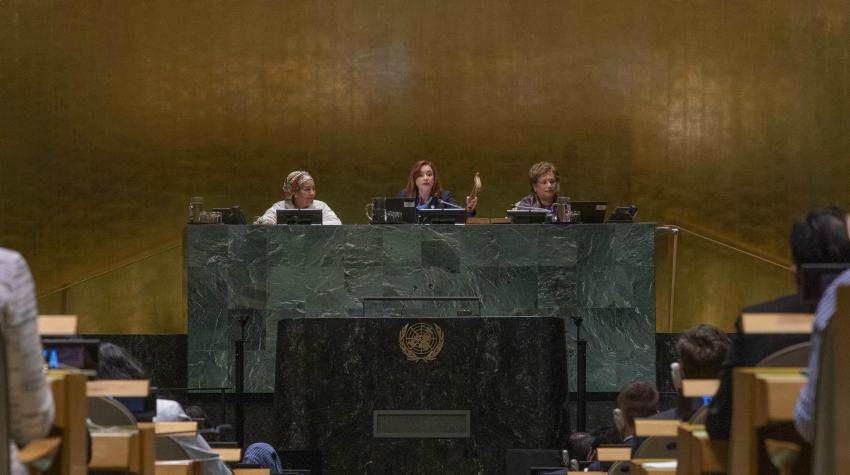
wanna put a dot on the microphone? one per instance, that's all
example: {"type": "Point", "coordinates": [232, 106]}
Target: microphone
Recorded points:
{"type": "Point", "coordinates": [533, 208]}
{"type": "Point", "coordinates": [449, 204]}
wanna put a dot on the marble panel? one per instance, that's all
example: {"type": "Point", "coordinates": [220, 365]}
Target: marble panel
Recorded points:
{"type": "Point", "coordinates": [284, 272]}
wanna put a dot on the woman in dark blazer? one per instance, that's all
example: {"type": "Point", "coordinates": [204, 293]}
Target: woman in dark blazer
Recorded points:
{"type": "Point", "coordinates": [424, 185]}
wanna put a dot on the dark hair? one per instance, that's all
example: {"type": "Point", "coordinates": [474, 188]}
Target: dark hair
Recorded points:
{"type": "Point", "coordinates": [115, 362]}
{"type": "Point", "coordinates": [637, 399]}
{"type": "Point", "coordinates": [579, 446]}
{"type": "Point", "coordinates": [821, 237]}
{"type": "Point", "coordinates": [701, 351]}
{"type": "Point", "coordinates": [607, 435]}
{"type": "Point", "coordinates": [411, 191]}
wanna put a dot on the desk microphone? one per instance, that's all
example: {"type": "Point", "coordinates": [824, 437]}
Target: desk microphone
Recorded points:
{"type": "Point", "coordinates": [449, 204]}
{"type": "Point", "coordinates": [532, 208]}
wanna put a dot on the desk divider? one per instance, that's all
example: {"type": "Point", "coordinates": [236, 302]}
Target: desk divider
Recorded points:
{"type": "Point", "coordinates": [614, 453]}
{"type": "Point", "coordinates": [645, 427]}
{"type": "Point", "coordinates": [773, 323]}
{"type": "Point", "coordinates": [700, 387]}
{"type": "Point", "coordinates": [118, 388]}
{"type": "Point", "coordinates": [57, 325]}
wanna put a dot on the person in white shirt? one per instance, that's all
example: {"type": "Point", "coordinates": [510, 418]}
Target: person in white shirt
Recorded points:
{"type": "Point", "coordinates": [299, 192]}
{"type": "Point", "coordinates": [30, 402]}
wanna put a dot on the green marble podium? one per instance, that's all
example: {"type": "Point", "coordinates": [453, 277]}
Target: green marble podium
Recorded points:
{"type": "Point", "coordinates": [261, 274]}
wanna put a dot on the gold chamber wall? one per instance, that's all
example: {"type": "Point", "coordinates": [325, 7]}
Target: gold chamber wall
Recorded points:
{"type": "Point", "coordinates": [729, 118]}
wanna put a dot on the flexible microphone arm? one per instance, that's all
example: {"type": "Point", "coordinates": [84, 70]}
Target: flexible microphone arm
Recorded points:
{"type": "Point", "coordinates": [532, 208]}
{"type": "Point", "coordinates": [449, 204]}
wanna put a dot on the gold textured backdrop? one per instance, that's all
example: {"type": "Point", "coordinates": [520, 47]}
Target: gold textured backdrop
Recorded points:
{"type": "Point", "coordinates": [726, 117]}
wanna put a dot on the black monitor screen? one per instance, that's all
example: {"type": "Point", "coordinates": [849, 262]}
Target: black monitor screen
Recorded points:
{"type": "Point", "coordinates": [529, 216]}
{"type": "Point", "coordinates": [299, 216]}
{"type": "Point", "coordinates": [441, 216]}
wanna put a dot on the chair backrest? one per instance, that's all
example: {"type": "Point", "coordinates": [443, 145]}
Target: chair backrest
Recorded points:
{"type": "Point", "coordinates": [700, 415]}
{"type": "Point", "coordinates": [832, 415]}
{"type": "Point", "coordinates": [657, 447]}
{"type": "Point", "coordinates": [619, 468]}
{"type": "Point", "coordinates": [169, 449]}
{"type": "Point", "coordinates": [108, 412]}
{"type": "Point", "coordinates": [5, 461]}
{"type": "Point", "coordinates": [794, 356]}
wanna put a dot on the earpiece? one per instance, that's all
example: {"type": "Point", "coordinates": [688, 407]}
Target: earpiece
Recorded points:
{"type": "Point", "coordinates": [676, 375]}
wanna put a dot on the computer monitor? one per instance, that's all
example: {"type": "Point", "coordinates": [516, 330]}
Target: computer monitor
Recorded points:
{"type": "Point", "coordinates": [590, 211]}
{"type": "Point", "coordinates": [441, 216]}
{"type": "Point", "coordinates": [299, 216]}
{"type": "Point", "coordinates": [405, 207]}
{"type": "Point", "coordinates": [529, 216]}
{"type": "Point", "coordinates": [815, 278]}
{"type": "Point", "coordinates": [64, 353]}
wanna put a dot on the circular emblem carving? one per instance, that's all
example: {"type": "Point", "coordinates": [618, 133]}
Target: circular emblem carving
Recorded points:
{"type": "Point", "coordinates": [421, 341]}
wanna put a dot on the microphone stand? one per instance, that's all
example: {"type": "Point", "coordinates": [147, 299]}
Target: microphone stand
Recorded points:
{"type": "Point", "coordinates": [581, 377]}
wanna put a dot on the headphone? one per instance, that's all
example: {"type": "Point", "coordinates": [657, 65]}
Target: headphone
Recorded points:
{"type": "Point", "coordinates": [676, 375]}
{"type": "Point", "coordinates": [619, 419]}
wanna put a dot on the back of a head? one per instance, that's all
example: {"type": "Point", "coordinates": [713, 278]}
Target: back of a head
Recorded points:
{"type": "Point", "coordinates": [115, 362]}
{"type": "Point", "coordinates": [821, 237]}
{"type": "Point", "coordinates": [579, 445]}
{"type": "Point", "coordinates": [606, 435]}
{"type": "Point", "coordinates": [701, 351]}
{"type": "Point", "coordinates": [637, 399]}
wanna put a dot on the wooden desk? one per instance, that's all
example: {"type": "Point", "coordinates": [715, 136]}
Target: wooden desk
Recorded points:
{"type": "Point", "coordinates": [636, 467]}
{"type": "Point", "coordinates": [700, 387]}
{"type": "Point", "coordinates": [761, 395]}
{"type": "Point", "coordinates": [69, 396]}
{"type": "Point", "coordinates": [133, 449]}
{"type": "Point", "coordinates": [179, 467]}
{"type": "Point", "coordinates": [698, 454]}
{"type": "Point", "coordinates": [57, 325]}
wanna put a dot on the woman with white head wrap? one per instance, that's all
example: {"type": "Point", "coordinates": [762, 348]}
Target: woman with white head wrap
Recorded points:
{"type": "Point", "coordinates": [299, 192]}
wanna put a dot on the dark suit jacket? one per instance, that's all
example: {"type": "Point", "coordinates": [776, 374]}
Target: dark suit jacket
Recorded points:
{"type": "Point", "coordinates": [746, 351]}
{"type": "Point", "coordinates": [445, 201]}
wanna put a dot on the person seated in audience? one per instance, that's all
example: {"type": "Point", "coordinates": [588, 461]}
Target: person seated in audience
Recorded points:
{"type": "Point", "coordinates": [579, 449]}
{"type": "Point", "coordinates": [700, 352]}
{"type": "Point", "coordinates": [30, 406]}
{"type": "Point", "coordinates": [636, 399]}
{"type": "Point", "coordinates": [606, 435]}
{"type": "Point", "coordinates": [804, 409]}
{"type": "Point", "coordinates": [545, 182]}
{"type": "Point", "coordinates": [299, 192]}
{"type": "Point", "coordinates": [423, 183]}
{"type": "Point", "coordinates": [115, 362]}
{"type": "Point", "coordinates": [821, 237]}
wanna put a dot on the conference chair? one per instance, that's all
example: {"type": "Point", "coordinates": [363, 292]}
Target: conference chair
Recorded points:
{"type": "Point", "coordinates": [108, 412]}
{"type": "Point", "coordinates": [794, 356]}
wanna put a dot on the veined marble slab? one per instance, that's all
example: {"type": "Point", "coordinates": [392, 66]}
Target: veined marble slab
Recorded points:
{"type": "Point", "coordinates": [604, 273]}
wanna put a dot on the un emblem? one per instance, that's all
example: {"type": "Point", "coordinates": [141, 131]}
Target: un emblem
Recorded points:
{"type": "Point", "coordinates": [421, 341]}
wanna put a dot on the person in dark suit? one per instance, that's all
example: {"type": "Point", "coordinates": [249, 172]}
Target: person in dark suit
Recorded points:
{"type": "Point", "coordinates": [423, 183]}
{"type": "Point", "coordinates": [821, 237]}
{"type": "Point", "coordinates": [700, 352]}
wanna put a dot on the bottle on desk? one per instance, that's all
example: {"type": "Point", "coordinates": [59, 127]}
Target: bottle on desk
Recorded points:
{"type": "Point", "coordinates": [196, 207]}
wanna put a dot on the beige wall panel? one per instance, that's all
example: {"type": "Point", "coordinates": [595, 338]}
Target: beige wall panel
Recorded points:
{"type": "Point", "coordinates": [729, 118]}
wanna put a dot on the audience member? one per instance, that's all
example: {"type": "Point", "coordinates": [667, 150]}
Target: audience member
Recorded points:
{"type": "Point", "coordinates": [636, 399]}
{"type": "Point", "coordinates": [700, 352]}
{"type": "Point", "coordinates": [30, 402]}
{"type": "Point", "coordinates": [821, 237]}
{"type": "Point", "coordinates": [116, 362]}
